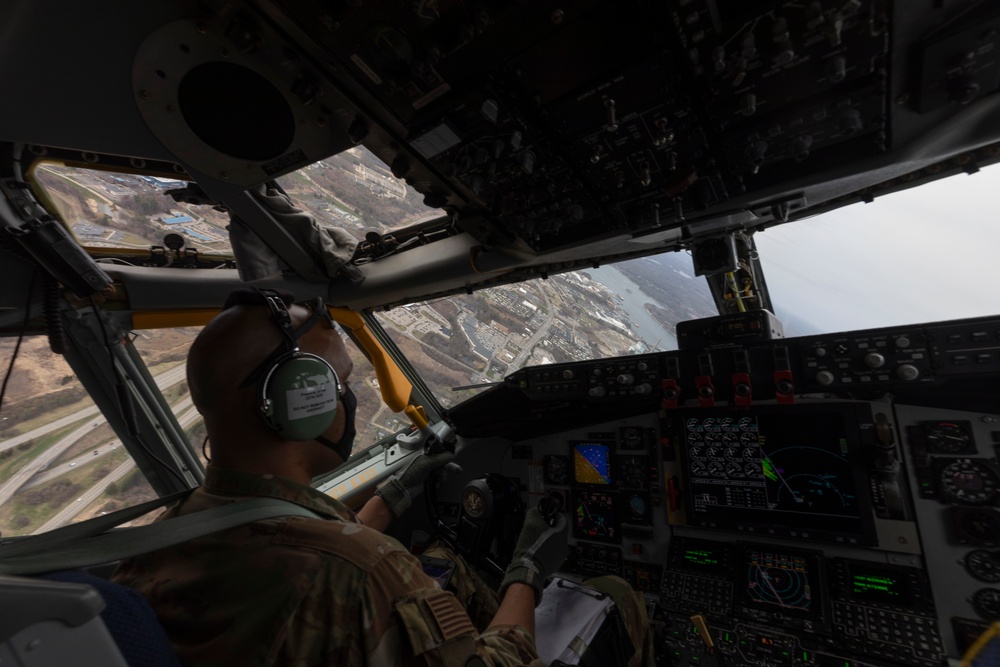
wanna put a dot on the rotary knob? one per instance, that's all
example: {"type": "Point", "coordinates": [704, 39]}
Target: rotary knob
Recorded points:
{"type": "Point", "coordinates": [626, 378]}
{"type": "Point", "coordinates": [644, 388]}
{"type": "Point", "coordinates": [567, 374]}
{"type": "Point", "coordinates": [908, 372]}
{"type": "Point", "coordinates": [825, 378]}
{"type": "Point", "coordinates": [597, 392]}
{"type": "Point", "coordinates": [874, 360]}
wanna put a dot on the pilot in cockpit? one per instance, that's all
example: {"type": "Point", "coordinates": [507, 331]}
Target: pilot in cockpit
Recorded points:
{"type": "Point", "coordinates": [333, 590]}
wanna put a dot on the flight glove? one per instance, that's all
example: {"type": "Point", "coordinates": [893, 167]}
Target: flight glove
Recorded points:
{"type": "Point", "coordinates": [399, 490]}
{"type": "Point", "coordinates": [540, 550]}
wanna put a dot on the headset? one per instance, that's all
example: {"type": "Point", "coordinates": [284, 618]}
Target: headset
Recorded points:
{"type": "Point", "coordinates": [297, 392]}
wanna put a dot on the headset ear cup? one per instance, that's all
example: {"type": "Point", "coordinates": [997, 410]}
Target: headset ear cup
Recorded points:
{"type": "Point", "coordinates": [298, 396]}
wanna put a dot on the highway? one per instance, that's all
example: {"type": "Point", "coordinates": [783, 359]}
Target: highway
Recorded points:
{"type": "Point", "coordinates": [41, 462]}
{"type": "Point", "coordinates": [163, 380]}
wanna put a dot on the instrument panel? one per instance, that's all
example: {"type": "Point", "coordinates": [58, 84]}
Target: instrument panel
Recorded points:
{"type": "Point", "coordinates": [843, 526]}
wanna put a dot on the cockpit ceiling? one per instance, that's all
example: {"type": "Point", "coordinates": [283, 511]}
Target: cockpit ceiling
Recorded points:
{"type": "Point", "coordinates": [549, 132]}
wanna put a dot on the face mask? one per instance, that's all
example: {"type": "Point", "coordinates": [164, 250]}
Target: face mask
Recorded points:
{"type": "Point", "coordinates": [344, 446]}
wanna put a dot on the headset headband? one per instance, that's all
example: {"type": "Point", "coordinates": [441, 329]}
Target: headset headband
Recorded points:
{"type": "Point", "coordinates": [276, 301]}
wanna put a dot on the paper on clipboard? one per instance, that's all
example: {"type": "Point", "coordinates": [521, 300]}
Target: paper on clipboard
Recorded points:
{"type": "Point", "coordinates": [567, 620]}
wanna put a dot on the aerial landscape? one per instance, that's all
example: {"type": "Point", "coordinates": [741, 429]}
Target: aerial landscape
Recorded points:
{"type": "Point", "coordinates": [59, 459]}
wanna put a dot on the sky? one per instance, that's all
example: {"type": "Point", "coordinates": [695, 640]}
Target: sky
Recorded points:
{"type": "Point", "coordinates": [926, 254]}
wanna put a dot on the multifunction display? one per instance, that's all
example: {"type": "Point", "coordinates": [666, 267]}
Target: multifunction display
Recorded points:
{"type": "Point", "coordinates": [790, 471]}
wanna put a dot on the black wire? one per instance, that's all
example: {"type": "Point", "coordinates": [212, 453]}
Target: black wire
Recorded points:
{"type": "Point", "coordinates": [20, 338]}
{"type": "Point", "coordinates": [123, 394]}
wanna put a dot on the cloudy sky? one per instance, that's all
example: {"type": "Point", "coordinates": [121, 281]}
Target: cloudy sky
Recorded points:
{"type": "Point", "coordinates": [926, 254]}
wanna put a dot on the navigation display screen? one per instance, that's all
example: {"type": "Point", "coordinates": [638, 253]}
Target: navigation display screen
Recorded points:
{"type": "Point", "coordinates": [796, 471]}
{"type": "Point", "coordinates": [592, 463]}
{"type": "Point", "coordinates": [595, 516]}
{"type": "Point", "coordinates": [782, 580]}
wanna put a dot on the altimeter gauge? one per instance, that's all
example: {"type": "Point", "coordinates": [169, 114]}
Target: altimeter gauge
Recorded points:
{"type": "Point", "coordinates": [967, 481]}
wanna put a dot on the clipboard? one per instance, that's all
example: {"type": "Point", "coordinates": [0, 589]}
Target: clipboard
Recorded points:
{"type": "Point", "coordinates": [580, 588]}
{"type": "Point", "coordinates": [578, 625]}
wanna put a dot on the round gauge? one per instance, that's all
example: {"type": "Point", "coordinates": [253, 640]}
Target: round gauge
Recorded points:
{"type": "Point", "coordinates": [977, 526]}
{"type": "Point", "coordinates": [751, 453]}
{"type": "Point", "coordinates": [986, 603]}
{"type": "Point", "coordinates": [714, 453]}
{"type": "Point", "coordinates": [732, 453]}
{"type": "Point", "coordinates": [751, 470]}
{"type": "Point", "coordinates": [694, 424]}
{"type": "Point", "coordinates": [729, 425]}
{"type": "Point", "coordinates": [984, 565]}
{"type": "Point", "coordinates": [716, 468]}
{"type": "Point", "coordinates": [694, 436]}
{"type": "Point", "coordinates": [555, 469]}
{"type": "Point", "coordinates": [697, 452]}
{"type": "Point", "coordinates": [730, 438]}
{"type": "Point", "coordinates": [713, 424]}
{"type": "Point", "coordinates": [473, 503]}
{"type": "Point", "coordinates": [699, 467]}
{"type": "Point", "coordinates": [968, 482]}
{"type": "Point", "coordinates": [748, 438]}
{"type": "Point", "coordinates": [748, 424]}
{"type": "Point", "coordinates": [713, 438]}
{"type": "Point", "coordinates": [734, 469]}
{"type": "Point", "coordinates": [947, 437]}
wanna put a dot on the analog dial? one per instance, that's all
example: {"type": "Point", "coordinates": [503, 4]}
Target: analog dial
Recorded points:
{"type": "Point", "coordinates": [984, 565]}
{"type": "Point", "coordinates": [986, 603]}
{"type": "Point", "coordinates": [947, 438]}
{"type": "Point", "coordinates": [968, 482]}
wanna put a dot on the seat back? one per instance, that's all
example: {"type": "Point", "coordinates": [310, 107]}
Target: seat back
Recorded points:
{"type": "Point", "coordinates": [75, 618]}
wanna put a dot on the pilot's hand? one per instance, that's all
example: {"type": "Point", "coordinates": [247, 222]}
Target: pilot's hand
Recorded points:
{"type": "Point", "coordinates": [540, 550]}
{"type": "Point", "coordinates": [399, 490]}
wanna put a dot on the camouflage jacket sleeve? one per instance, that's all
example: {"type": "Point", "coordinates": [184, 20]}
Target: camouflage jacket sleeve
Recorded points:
{"type": "Point", "coordinates": [386, 611]}
{"type": "Point", "coordinates": [428, 625]}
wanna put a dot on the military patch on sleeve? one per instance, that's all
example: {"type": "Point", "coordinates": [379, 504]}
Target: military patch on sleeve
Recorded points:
{"type": "Point", "coordinates": [433, 618]}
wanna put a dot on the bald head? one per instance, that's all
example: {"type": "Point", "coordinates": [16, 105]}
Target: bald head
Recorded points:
{"type": "Point", "coordinates": [226, 352]}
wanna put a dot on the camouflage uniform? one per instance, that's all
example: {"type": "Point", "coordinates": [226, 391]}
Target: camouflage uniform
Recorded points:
{"type": "Point", "coordinates": [299, 591]}
{"type": "Point", "coordinates": [481, 602]}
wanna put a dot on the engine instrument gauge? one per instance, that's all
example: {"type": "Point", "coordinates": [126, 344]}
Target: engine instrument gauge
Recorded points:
{"type": "Point", "coordinates": [984, 565]}
{"type": "Point", "coordinates": [967, 481]}
{"type": "Point", "coordinates": [948, 437]}
{"type": "Point", "coordinates": [986, 603]}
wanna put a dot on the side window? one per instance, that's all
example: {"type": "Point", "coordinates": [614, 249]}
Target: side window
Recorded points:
{"type": "Point", "coordinates": [60, 462]}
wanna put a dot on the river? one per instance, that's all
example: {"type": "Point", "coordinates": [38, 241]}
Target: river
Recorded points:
{"type": "Point", "coordinates": [633, 300]}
